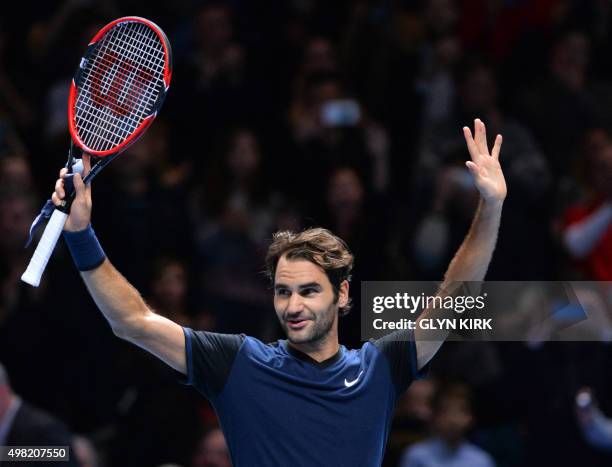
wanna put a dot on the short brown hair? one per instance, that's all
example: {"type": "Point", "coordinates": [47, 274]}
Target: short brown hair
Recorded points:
{"type": "Point", "coordinates": [319, 246]}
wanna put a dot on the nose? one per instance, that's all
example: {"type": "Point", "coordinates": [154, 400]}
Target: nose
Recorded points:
{"type": "Point", "coordinates": [296, 304]}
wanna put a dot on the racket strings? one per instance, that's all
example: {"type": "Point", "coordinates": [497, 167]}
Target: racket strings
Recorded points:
{"type": "Point", "coordinates": [112, 91]}
{"type": "Point", "coordinates": [119, 85]}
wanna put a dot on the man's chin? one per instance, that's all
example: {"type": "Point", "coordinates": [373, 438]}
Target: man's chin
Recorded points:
{"type": "Point", "coordinates": [301, 336]}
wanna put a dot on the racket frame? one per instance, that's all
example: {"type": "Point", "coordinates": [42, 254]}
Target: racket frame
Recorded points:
{"type": "Point", "coordinates": [160, 99]}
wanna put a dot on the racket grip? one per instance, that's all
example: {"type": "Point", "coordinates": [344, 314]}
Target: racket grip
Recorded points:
{"type": "Point", "coordinates": [45, 247]}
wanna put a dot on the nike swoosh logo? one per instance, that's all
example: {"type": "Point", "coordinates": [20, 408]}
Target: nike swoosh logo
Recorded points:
{"type": "Point", "coordinates": [348, 384]}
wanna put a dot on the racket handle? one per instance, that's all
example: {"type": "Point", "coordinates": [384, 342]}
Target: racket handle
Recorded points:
{"type": "Point", "coordinates": [45, 247]}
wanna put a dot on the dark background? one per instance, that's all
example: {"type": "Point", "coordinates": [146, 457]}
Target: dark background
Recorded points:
{"type": "Point", "coordinates": [240, 151]}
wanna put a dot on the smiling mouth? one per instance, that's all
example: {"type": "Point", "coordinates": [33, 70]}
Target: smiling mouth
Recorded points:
{"type": "Point", "coordinates": [297, 323]}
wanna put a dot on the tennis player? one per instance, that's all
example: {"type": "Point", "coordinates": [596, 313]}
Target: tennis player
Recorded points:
{"type": "Point", "coordinates": [307, 400]}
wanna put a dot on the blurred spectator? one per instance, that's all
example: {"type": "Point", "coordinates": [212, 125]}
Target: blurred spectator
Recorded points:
{"type": "Point", "coordinates": [567, 102]}
{"type": "Point", "coordinates": [236, 186]}
{"type": "Point", "coordinates": [16, 215]}
{"type": "Point", "coordinates": [496, 28]}
{"type": "Point", "coordinates": [21, 424]}
{"type": "Point", "coordinates": [357, 216]}
{"type": "Point", "coordinates": [596, 427]}
{"type": "Point", "coordinates": [217, 55]}
{"type": "Point", "coordinates": [52, 34]}
{"type": "Point", "coordinates": [216, 89]}
{"type": "Point", "coordinates": [330, 129]}
{"type": "Point", "coordinates": [12, 101]}
{"type": "Point", "coordinates": [10, 142]}
{"type": "Point", "coordinates": [145, 193]}
{"type": "Point", "coordinates": [212, 451]}
{"type": "Point", "coordinates": [439, 53]}
{"type": "Point", "coordinates": [436, 81]}
{"type": "Point", "coordinates": [235, 217]}
{"type": "Point", "coordinates": [169, 290]}
{"type": "Point", "coordinates": [587, 231]}
{"type": "Point", "coordinates": [85, 452]}
{"type": "Point", "coordinates": [451, 420]}
{"type": "Point", "coordinates": [411, 420]}
{"type": "Point", "coordinates": [319, 57]}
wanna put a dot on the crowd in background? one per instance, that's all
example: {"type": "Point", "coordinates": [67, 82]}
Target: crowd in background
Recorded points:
{"type": "Point", "coordinates": [284, 114]}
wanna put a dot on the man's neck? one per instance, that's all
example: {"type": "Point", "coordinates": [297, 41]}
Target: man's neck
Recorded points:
{"type": "Point", "coordinates": [319, 352]}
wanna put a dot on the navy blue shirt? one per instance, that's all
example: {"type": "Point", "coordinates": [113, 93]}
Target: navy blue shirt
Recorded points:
{"type": "Point", "coordinates": [278, 407]}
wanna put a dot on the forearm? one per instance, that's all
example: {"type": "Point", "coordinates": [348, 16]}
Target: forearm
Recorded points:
{"type": "Point", "coordinates": [132, 320]}
{"type": "Point", "coordinates": [470, 263]}
{"type": "Point", "coordinates": [474, 255]}
{"type": "Point", "coordinates": [120, 303]}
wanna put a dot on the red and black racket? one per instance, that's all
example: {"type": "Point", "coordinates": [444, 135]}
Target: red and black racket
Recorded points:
{"type": "Point", "coordinates": [116, 93]}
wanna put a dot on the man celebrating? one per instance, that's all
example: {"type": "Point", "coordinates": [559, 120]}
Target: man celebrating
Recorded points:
{"type": "Point", "coordinates": [307, 400]}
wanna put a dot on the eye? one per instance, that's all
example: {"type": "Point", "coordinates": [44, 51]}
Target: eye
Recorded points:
{"type": "Point", "coordinates": [309, 291]}
{"type": "Point", "coordinates": [283, 292]}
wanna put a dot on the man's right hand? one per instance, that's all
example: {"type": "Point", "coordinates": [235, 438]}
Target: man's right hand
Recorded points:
{"type": "Point", "coordinates": [80, 211]}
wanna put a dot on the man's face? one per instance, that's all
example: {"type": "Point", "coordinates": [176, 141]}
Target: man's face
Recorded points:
{"type": "Point", "coordinates": [304, 301]}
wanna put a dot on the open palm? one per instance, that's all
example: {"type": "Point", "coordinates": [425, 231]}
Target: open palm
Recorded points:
{"type": "Point", "coordinates": [484, 166]}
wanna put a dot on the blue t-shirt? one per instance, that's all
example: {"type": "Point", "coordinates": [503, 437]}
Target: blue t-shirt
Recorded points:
{"type": "Point", "coordinates": [278, 407]}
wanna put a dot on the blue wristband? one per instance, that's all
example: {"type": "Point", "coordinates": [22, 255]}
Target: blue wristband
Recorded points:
{"type": "Point", "coordinates": [85, 248]}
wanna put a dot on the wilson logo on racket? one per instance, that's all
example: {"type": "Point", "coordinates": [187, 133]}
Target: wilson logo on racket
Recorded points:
{"type": "Point", "coordinates": [128, 87]}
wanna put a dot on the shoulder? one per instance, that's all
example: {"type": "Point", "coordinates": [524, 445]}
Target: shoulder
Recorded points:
{"type": "Point", "coordinates": [267, 353]}
{"type": "Point", "coordinates": [214, 340]}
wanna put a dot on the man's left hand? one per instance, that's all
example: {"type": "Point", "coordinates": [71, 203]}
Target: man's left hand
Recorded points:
{"type": "Point", "coordinates": [484, 166]}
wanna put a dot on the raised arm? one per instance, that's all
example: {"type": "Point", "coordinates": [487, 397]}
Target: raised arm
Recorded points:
{"type": "Point", "coordinates": [120, 303]}
{"type": "Point", "coordinates": [474, 255]}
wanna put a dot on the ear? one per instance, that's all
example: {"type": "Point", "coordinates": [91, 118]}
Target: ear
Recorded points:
{"type": "Point", "coordinates": [343, 294]}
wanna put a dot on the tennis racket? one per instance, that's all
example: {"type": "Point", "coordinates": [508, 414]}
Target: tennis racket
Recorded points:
{"type": "Point", "coordinates": [116, 92]}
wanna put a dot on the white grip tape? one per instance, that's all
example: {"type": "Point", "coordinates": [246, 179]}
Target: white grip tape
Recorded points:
{"type": "Point", "coordinates": [45, 247]}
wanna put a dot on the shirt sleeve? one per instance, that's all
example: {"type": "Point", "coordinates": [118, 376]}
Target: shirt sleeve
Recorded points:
{"type": "Point", "coordinates": [399, 349]}
{"type": "Point", "coordinates": [210, 357]}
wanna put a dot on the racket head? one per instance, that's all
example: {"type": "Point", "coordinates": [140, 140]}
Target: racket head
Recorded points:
{"type": "Point", "coordinates": [120, 85]}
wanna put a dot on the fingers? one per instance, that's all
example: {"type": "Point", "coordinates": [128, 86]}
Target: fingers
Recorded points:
{"type": "Point", "coordinates": [56, 199]}
{"type": "Point", "coordinates": [59, 188]}
{"type": "Point", "coordinates": [477, 145]}
{"type": "Point", "coordinates": [79, 186]}
{"type": "Point", "coordinates": [60, 192]}
{"type": "Point", "coordinates": [472, 148]}
{"type": "Point", "coordinates": [473, 168]}
{"type": "Point", "coordinates": [497, 147]}
{"type": "Point", "coordinates": [481, 137]}
{"type": "Point", "coordinates": [86, 164]}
